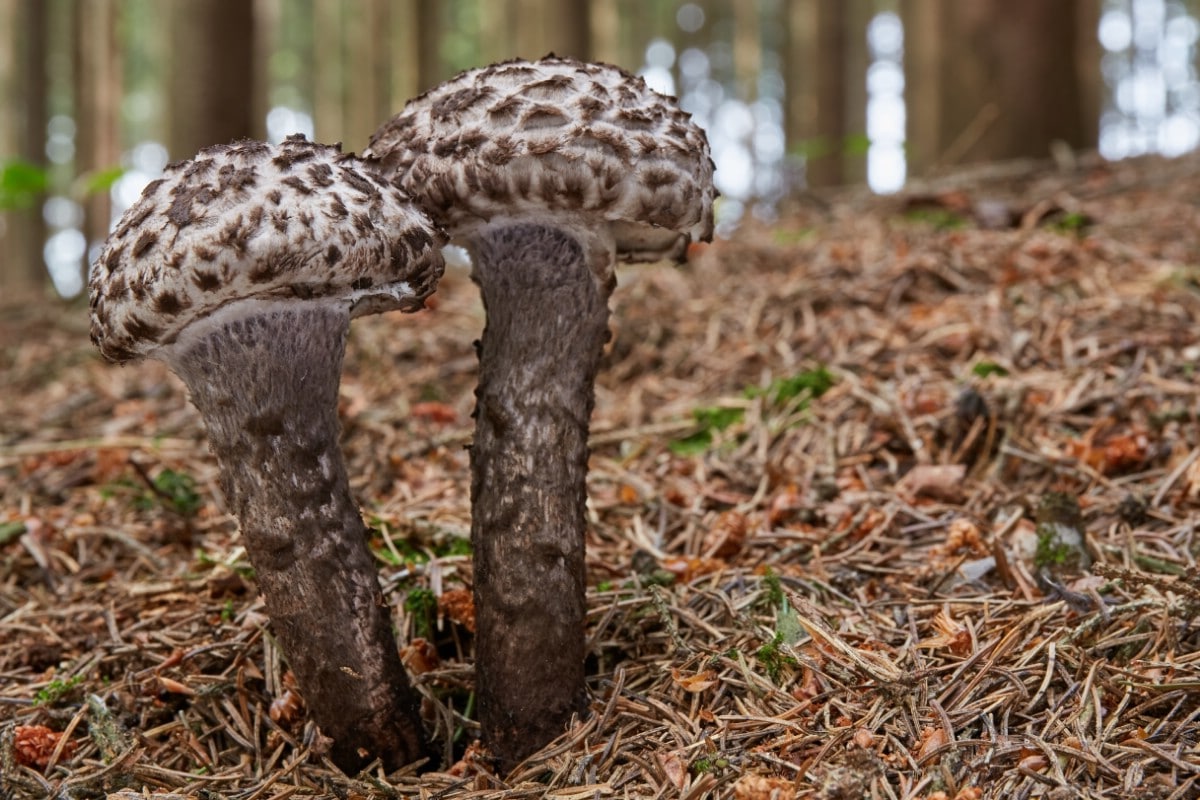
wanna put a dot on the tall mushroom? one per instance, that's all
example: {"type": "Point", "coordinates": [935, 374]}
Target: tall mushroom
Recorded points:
{"type": "Point", "coordinates": [549, 172]}
{"type": "Point", "coordinates": [241, 269]}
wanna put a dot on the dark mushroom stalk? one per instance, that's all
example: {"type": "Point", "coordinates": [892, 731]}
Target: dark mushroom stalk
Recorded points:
{"type": "Point", "coordinates": [549, 172]}
{"type": "Point", "coordinates": [547, 321]}
{"type": "Point", "coordinates": [241, 269]}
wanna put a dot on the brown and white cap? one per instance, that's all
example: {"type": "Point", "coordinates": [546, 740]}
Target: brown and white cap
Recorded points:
{"type": "Point", "coordinates": [252, 221]}
{"type": "Point", "coordinates": [573, 143]}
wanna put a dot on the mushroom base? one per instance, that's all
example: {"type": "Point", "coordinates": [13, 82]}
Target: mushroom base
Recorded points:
{"type": "Point", "coordinates": [547, 321]}
{"type": "Point", "coordinates": [266, 383]}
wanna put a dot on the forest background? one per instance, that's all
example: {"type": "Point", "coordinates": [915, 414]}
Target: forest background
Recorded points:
{"type": "Point", "coordinates": [796, 94]}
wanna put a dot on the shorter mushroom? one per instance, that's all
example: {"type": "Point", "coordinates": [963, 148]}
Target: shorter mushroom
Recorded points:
{"type": "Point", "coordinates": [549, 172]}
{"type": "Point", "coordinates": [241, 269]}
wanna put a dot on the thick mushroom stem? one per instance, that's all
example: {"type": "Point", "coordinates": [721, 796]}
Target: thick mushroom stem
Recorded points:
{"type": "Point", "coordinates": [266, 385]}
{"type": "Point", "coordinates": [547, 321]}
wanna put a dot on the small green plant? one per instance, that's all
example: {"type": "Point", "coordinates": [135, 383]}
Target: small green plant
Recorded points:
{"type": "Point", "coordinates": [709, 764]}
{"type": "Point", "coordinates": [99, 180]}
{"type": "Point", "coordinates": [805, 385]}
{"type": "Point", "coordinates": [1050, 551]}
{"type": "Point", "coordinates": [172, 490]}
{"type": "Point", "coordinates": [227, 611]}
{"type": "Point", "coordinates": [205, 560]}
{"type": "Point", "coordinates": [56, 690]}
{"type": "Point", "coordinates": [816, 147]}
{"type": "Point", "coordinates": [809, 384]}
{"type": "Point", "coordinates": [942, 219]}
{"type": "Point", "coordinates": [789, 236]}
{"type": "Point", "coordinates": [20, 184]}
{"type": "Point", "coordinates": [713, 418]}
{"type": "Point", "coordinates": [773, 588]}
{"type": "Point", "coordinates": [1072, 222]}
{"type": "Point", "coordinates": [400, 554]}
{"type": "Point", "coordinates": [1060, 532]}
{"type": "Point", "coordinates": [454, 546]}
{"type": "Point", "coordinates": [656, 577]}
{"type": "Point", "coordinates": [733, 654]}
{"type": "Point", "coordinates": [10, 531]}
{"type": "Point", "coordinates": [984, 369]}
{"type": "Point", "coordinates": [773, 658]}
{"type": "Point", "coordinates": [421, 605]}
{"type": "Point", "coordinates": [403, 550]}
{"type": "Point", "coordinates": [23, 182]}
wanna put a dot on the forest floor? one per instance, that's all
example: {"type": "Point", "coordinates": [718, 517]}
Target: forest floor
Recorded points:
{"type": "Point", "coordinates": [893, 498]}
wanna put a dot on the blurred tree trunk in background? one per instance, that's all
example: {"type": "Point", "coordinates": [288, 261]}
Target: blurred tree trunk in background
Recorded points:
{"type": "Point", "coordinates": [559, 26]}
{"type": "Point", "coordinates": [23, 70]}
{"type": "Point", "coordinates": [617, 32]}
{"type": "Point", "coordinates": [268, 24]}
{"type": "Point", "coordinates": [368, 96]}
{"type": "Point", "coordinates": [1088, 75]}
{"type": "Point", "coordinates": [405, 61]}
{"type": "Point", "coordinates": [369, 59]}
{"type": "Point", "coordinates": [747, 50]}
{"type": "Point", "coordinates": [211, 77]}
{"type": "Point", "coordinates": [97, 108]}
{"type": "Point", "coordinates": [825, 63]}
{"type": "Point", "coordinates": [328, 96]}
{"type": "Point", "coordinates": [428, 28]}
{"type": "Point", "coordinates": [604, 22]}
{"type": "Point", "coordinates": [8, 75]}
{"type": "Point", "coordinates": [497, 29]}
{"type": "Point", "coordinates": [993, 79]}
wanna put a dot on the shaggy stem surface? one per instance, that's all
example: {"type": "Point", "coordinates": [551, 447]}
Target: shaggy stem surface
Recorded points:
{"type": "Point", "coordinates": [267, 388]}
{"type": "Point", "coordinates": [547, 321]}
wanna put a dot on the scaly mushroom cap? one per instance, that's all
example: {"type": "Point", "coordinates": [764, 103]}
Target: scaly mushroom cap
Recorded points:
{"type": "Point", "coordinates": [251, 221]}
{"type": "Point", "coordinates": [558, 139]}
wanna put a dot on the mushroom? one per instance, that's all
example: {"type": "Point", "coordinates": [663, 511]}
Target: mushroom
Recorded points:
{"type": "Point", "coordinates": [548, 172]}
{"type": "Point", "coordinates": [241, 269]}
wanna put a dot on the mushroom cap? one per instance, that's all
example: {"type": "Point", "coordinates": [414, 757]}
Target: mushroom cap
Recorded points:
{"type": "Point", "coordinates": [555, 139]}
{"type": "Point", "coordinates": [251, 221]}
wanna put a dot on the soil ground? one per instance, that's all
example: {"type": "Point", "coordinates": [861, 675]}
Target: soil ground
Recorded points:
{"type": "Point", "coordinates": [891, 498]}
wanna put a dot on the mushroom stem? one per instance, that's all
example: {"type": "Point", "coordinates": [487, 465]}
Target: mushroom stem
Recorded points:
{"type": "Point", "coordinates": [547, 321]}
{"type": "Point", "coordinates": [266, 383]}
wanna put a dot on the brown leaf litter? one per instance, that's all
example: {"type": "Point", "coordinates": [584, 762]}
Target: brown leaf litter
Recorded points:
{"type": "Point", "coordinates": [798, 589]}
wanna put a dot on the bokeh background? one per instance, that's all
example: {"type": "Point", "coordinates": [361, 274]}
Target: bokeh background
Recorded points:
{"type": "Point", "coordinates": [97, 96]}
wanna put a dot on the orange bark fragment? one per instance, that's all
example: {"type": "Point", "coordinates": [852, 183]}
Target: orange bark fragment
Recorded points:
{"type": "Point", "coordinates": [34, 744]}
{"type": "Point", "coordinates": [459, 606]}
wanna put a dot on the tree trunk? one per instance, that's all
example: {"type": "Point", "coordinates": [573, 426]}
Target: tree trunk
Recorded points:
{"type": "Point", "coordinates": [268, 40]}
{"type": "Point", "coordinates": [1088, 75]}
{"type": "Point", "coordinates": [415, 60]}
{"type": "Point", "coordinates": [432, 68]}
{"type": "Point", "coordinates": [97, 107]}
{"type": "Point", "coordinates": [367, 97]}
{"type": "Point", "coordinates": [405, 61]}
{"type": "Point", "coordinates": [547, 321]}
{"type": "Point", "coordinates": [211, 75]}
{"type": "Point", "coordinates": [826, 64]}
{"type": "Point", "coordinates": [747, 50]}
{"type": "Point", "coordinates": [992, 79]}
{"type": "Point", "coordinates": [815, 79]}
{"type": "Point", "coordinates": [22, 230]}
{"type": "Point", "coordinates": [604, 24]}
{"type": "Point", "coordinates": [855, 63]}
{"type": "Point", "coordinates": [329, 89]}
{"type": "Point", "coordinates": [559, 26]}
{"type": "Point", "coordinates": [498, 25]}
